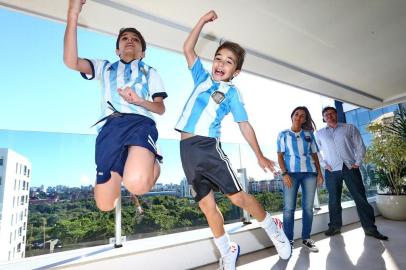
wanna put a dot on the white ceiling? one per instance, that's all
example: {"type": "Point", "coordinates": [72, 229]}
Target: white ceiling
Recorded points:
{"type": "Point", "coordinates": [350, 50]}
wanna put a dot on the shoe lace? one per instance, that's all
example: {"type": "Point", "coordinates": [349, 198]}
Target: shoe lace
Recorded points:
{"type": "Point", "coordinates": [310, 241]}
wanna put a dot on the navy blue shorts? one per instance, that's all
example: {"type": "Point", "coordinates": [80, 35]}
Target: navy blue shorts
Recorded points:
{"type": "Point", "coordinates": [207, 167]}
{"type": "Point", "coordinates": [116, 135]}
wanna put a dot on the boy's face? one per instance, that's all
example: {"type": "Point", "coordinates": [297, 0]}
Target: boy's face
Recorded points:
{"type": "Point", "coordinates": [224, 66]}
{"type": "Point", "coordinates": [129, 46]}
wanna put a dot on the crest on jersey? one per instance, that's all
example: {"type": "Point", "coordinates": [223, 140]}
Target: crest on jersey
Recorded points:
{"type": "Point", "coordinates": [218, 96]}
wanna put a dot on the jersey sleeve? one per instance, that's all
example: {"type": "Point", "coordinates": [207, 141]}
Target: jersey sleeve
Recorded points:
{"type": "Point", "coordinates": [199, 74]}
{"type": "Point", "coordinates": [237, 107]}
{"type": "Point", "coordinates": [155, 85]}
{"type": "Point", "coordinates": [97, 69]}
{"type": "Point", "coordinates": [314, 148]}
{"type": "Point", "coordinates": [280, 143]}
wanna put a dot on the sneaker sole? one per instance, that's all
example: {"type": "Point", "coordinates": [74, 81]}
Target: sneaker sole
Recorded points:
{"type": "Point", "coordinates": [311, 249]}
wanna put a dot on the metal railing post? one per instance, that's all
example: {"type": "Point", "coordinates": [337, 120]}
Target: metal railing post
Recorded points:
{"type": "Point", "coordinates": [316, 204]}
{"type": "Point", "coordinates": [117, 224]}
{"type": "Point", "coordinates": [246, 219]}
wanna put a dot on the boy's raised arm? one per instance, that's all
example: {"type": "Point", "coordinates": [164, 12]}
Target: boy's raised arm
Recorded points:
{"type": "Point", "coordinates": [190, 42]}
{"type": "Point", "coordinates": [70, 50]}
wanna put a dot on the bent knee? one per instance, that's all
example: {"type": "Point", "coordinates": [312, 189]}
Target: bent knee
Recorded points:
{"type": "Point", "coordinates": [237, 199]}
{"type": "Point", "coordinates": [105, 206]}
{"type": "Point", "coordinates": [139, 184]}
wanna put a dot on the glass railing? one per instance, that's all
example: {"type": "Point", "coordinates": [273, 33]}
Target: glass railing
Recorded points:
{"type": "Point", "coordinates": [63, 215]}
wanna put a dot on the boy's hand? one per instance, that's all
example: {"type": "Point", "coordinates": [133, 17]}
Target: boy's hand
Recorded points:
{"type": "Point", "coordinates": [209, 16]}
{"type": "Point", "coordinates": [130, 96]}
{"type": "Point", "coordinates": [75, 6]}
{"type": "Point", "coordinates": [265, 163]}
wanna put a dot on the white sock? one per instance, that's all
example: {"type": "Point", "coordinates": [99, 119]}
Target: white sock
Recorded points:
{"type": "Point", "coordinates": [268, 224]}
{"type": "Point", "coordinates": [223, 244]}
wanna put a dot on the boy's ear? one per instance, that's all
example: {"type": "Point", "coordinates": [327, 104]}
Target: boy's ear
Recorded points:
{"type": "Point", "coordinates": [235, 74]}
{"type": "Point", "coordinates": [143, 55]}
{"type": "Point", "coordinates": [117, 53]}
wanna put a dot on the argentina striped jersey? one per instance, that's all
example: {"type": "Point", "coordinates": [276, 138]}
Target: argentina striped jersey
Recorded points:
{"type": "Point", "coordinates": [209, 103]}
{"type": "Point", "coordinates": [142, 79]}
{"type": "Point", "coordinates": [297, 148]}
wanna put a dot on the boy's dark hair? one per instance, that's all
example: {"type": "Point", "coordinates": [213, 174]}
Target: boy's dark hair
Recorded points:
{"type": "Point", "coordinates": [135, 31]}
{"type": "Point", "coordinates": [328, 108]}
{"type": "Point", "coordinates": [309, 123]}
{"type": "Point", "coordinates": [237, 50]}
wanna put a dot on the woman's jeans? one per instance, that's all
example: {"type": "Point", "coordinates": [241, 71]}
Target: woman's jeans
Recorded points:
{"type": "Point", "coordinates": [307, 181]}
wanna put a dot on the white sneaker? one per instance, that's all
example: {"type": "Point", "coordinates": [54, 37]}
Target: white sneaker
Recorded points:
{"type": "Point", "coordinates": [228, 261]}
{"type": "Point", "coordinates": [280, 241]}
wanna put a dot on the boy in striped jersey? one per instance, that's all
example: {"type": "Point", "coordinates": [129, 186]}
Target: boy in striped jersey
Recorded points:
{"type": "Point", "coordinates": [125, 146]}
{"type": "Point", "coordinates": [206, 166]}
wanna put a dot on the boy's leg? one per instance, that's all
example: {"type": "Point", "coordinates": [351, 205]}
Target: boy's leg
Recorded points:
{"type": "Point", "coordinates": [213, 215]}
{"type": "Point", "coordinates": [273, 227]}
{"type": "Point", "coordinates": [106, 194]}
{"type": "Point", "coordinates": [141, 170]}
{"type": "Point", "coordinates": [229, 251]}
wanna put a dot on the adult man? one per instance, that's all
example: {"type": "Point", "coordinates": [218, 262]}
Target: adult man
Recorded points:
{"type": "Point", "coordinates": [342, 151]}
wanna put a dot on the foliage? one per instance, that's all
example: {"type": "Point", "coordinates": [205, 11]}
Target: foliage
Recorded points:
{"type": "Point", "coordinates": [388, 153]}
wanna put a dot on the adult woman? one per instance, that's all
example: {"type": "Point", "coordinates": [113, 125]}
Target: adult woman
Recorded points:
{"type": "Point", "coordinates": [297, 158]}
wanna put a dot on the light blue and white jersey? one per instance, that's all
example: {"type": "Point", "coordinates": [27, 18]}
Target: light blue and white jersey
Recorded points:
{"type": "Point", "coordinates": [297, 149]}
{"type": "Point", "coordinates": [208, 104]}
{"type": "Point", "coordinates": [142, 79]}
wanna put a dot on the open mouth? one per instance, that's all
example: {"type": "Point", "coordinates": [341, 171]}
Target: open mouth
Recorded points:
{"type": "Point", "coordinates": [219, 72]}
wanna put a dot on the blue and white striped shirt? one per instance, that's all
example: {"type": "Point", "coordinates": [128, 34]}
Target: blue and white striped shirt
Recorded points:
{"type": "Point", "coordinates": [297, 149]}
{"type": "Point", "coordinates": [209, 103]}
{"type": "Point", "coordinates": [142, 79]}
{"type": "Point", "coordinates": [340, 145]}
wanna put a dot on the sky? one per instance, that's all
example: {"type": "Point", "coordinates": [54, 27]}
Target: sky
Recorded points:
{"type": "Point", "coordinates": [47, 110]}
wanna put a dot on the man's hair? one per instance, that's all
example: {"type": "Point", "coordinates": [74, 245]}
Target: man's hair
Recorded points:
{"type": "Point", "coordinates": [309, 123]}
{"type": "Point", "coordinates": [236, 49]}
{"type": "Point", "coordinates": [328, 108]}
{"type": "Point", "coordinates": [135, 31]}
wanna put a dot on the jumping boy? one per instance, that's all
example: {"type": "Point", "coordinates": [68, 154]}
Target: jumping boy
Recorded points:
{"type": "Point", "coordinates": [131, 92]}
{"type": "Point", "coordinates": [206, 166]}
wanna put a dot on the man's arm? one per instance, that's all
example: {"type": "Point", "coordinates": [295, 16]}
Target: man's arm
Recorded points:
{"type": "Point", "coordinates": [190, 42]}
{"type": "Point", "coordinates": [249, 135]}
{"type": "Point", "coordinates": [320, 155]}
{"type": "Point", "coordinates": [70, 50]}
{"type": "Point", "coordinates": [359, 147]}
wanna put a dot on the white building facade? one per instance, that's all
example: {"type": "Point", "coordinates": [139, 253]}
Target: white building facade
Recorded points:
{"type": "Point", "coordinates": [15, 176]}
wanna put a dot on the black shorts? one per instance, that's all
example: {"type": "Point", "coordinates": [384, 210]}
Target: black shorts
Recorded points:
{"type": "Point", "coordinates": [207, 167]}
{"type": "Point", "coordinates": [116, 135]}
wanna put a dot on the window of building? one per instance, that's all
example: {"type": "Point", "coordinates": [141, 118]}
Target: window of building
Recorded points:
{"type": "Point", "coordinates": [1, 180]}
{"type": "Point", "coordinates": [28, 173]}
{"type": "Point", "coordinates": [16, 168]}
{"type": "Point", "coordinates": [15, 184]}
{"type": "Point", "coordinates": [22, 200]}
{"type": "Point", "coordinates": [20, 231]}
{"type": "Point", "coordinates": [12, 219]}
{"type": "Point", "coordinates": [1, 161]}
